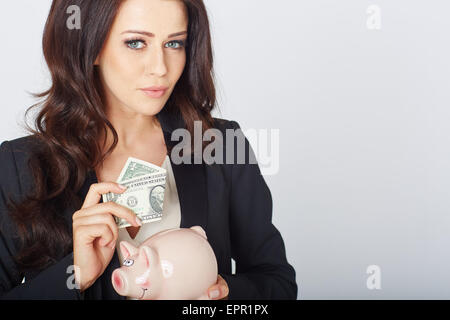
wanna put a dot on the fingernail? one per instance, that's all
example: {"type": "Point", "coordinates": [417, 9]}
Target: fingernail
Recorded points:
{"type": "Point", "coordinates": [213, 294]}
{"type": "Point", "coordinates": [122, 187]}
{"type": "Point", "coordinates": [138, 221]}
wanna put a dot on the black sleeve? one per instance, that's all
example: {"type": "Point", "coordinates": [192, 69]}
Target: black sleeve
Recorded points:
{"type": "Point", "coordinates": [51, 283]}
{"type": "Point", "coordinates": [262, 270]}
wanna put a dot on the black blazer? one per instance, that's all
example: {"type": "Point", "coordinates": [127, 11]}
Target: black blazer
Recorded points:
{"type": "Point", "coordinates": [230, 201]}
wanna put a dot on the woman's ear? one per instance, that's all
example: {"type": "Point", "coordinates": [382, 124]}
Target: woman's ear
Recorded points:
{"type": "Point", "coordinates": [97, 61]}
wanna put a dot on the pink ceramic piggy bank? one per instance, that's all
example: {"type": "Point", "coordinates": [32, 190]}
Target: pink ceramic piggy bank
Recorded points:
{"type": "Point", "coordinates": [174, 264]}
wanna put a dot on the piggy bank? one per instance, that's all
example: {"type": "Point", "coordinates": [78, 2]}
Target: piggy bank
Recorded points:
{"type": "Point", "coordinates": [174, 264]}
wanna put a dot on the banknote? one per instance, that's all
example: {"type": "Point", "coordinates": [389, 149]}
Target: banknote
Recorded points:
{"type": "Point", "coordinates": [135, 168]}
{"type": "Point", "coordinates": [145, 184]}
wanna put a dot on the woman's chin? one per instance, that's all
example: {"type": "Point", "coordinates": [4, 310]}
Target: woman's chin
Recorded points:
{"type": "Point", "coordinates": [148, 110]}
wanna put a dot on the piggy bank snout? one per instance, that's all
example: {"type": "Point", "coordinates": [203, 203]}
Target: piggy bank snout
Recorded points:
{"type": "Point", "coordinates": [120, 282]}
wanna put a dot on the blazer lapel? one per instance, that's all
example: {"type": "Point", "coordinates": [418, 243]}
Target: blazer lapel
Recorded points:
{"type": "Point", "coordinates": [189, 178]}
{"type": "Point", "coordinates": [192, 193]}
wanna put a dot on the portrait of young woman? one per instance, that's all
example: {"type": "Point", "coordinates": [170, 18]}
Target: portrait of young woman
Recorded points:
{"type": "Point", "coordinates": [132, 73]}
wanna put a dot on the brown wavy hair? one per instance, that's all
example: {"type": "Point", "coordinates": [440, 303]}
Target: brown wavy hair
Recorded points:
{"type": "Point", "coordinates": [72, 117]}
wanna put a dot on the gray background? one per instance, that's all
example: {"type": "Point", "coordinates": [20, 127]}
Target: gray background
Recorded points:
{"type": "Point", "coordinates": [363, 116]}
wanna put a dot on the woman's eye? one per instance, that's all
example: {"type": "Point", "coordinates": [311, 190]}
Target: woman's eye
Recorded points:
{"type": "Point", "coordinates": [178, 44]}
{"type": "Point", "coordinates": [135, 44]}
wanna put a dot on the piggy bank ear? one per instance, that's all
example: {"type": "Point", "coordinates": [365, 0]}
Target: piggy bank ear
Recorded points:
{"type": "Point", "coordinates": [127, 249]}
{"type": "Point", "coordinates": [199, 230]}
{"type": "Point", "coordinates": [147, 255]}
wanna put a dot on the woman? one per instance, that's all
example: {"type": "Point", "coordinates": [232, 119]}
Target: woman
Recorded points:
{"type": "Point", "coordinates": [55, 230]}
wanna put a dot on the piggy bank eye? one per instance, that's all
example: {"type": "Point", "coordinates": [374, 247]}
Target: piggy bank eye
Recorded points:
{"type": "Point", "coordinates": [128, 262]}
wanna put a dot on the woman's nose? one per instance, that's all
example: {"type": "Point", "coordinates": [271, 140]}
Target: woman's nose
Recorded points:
{"type": "Point", "coordinates": [156, 64]}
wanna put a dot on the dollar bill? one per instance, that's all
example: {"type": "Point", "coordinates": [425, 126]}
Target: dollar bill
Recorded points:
{"type": "Point", "coordinates": [145, 184]}
{"type": "Point", "coordinates": [134, 168]}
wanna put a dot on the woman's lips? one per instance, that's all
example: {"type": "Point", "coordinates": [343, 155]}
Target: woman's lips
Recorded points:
{"type": "Point", "coordinates": [154, 93]}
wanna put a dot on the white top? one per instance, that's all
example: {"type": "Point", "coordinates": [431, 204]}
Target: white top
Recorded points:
{"type": "Point", "coordinates": [171, 214]}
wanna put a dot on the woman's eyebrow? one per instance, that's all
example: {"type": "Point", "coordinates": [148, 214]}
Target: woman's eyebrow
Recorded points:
{"type": "Point", "coordinates": [149, 34]}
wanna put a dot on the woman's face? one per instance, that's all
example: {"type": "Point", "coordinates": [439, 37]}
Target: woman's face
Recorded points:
{"type": "Point", "coordinates": [131, 60]}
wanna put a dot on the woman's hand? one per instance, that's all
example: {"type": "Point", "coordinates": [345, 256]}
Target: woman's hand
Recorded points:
{"type": "Point", "coordinates": [95, 233]}
{"type": "Point", "coordinates": [219, 290]}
